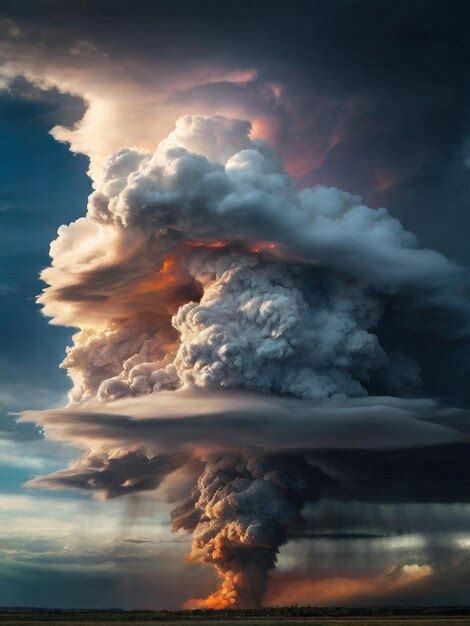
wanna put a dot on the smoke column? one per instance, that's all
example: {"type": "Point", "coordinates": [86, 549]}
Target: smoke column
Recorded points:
{"type": "Point", "coordinates": [239, 514]}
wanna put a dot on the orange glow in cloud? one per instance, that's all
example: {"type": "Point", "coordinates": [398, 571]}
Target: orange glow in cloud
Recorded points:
{"type": "Point", "coordinates": [226, 596]}
{"type": "Point", "coordinates": [214, 601]}
{"type": "Point", "coordinates": [266, 128]}
{"type": "Point", "coordinates": [167, 276]}
{"type": "Point", "coordinates": [162, 292]}
{"type": "Point", "coordinates": [256, 247]}
{"type": "Point", "coordinates": [294, 589]}
{"type": "Point", "coordinates": [264, 246]}
{"type": "Point", "coordinates": [287, 590]}
{"type": "Point", "coordinates": [330, 590]}
{"type": "Point", "coordinates": [199, 243]}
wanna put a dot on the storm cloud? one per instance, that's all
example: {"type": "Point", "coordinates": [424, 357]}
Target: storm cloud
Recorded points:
{"type": "Point", "coordinates": [242, 323]}
{"type": "Point", "coordinates": [200, 268]}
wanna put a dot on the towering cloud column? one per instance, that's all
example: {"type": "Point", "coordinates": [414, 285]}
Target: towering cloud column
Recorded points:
{"type": "Point", "coordinates": [201, 267]}
{"type": "Point", "coordinates": [240, 514]}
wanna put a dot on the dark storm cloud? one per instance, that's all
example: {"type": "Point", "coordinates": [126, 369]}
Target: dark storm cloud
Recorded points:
{"type": "Point", "coordinates": [403, 116]}
{"type": "Point", "coordinates": [290, 320]}
{"type": "Point", "coordinates": [336, 519]}
{"type": "Point", "coordinates": [23, 103]}
{"type": "Point", "coordinates": [124, 474]}
{"type": "Point", "coordinates": [364, 96]}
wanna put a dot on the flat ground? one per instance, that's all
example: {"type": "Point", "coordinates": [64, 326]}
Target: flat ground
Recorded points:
{"type": "Point", "coordinates": [314, 621]}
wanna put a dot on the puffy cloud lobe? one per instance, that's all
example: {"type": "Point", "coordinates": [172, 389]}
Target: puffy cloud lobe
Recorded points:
{"type": "Point", "coordinates": [250, 197]}
{"type": "Point", "coordinates": [255, 328]}
{"type": "Point", "coordinates": [100, 355]}
{"type": "Point", "coordinates": [216, 137]}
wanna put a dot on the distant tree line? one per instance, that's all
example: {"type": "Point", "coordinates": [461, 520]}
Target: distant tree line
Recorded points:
{"type": "Point", "coordinates": [268, 613]}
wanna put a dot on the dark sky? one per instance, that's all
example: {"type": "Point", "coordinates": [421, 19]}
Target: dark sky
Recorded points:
{"type": "Point", "coordinates": [371, 97]}
{"type": "Point", "coordinates": [380, 88]}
